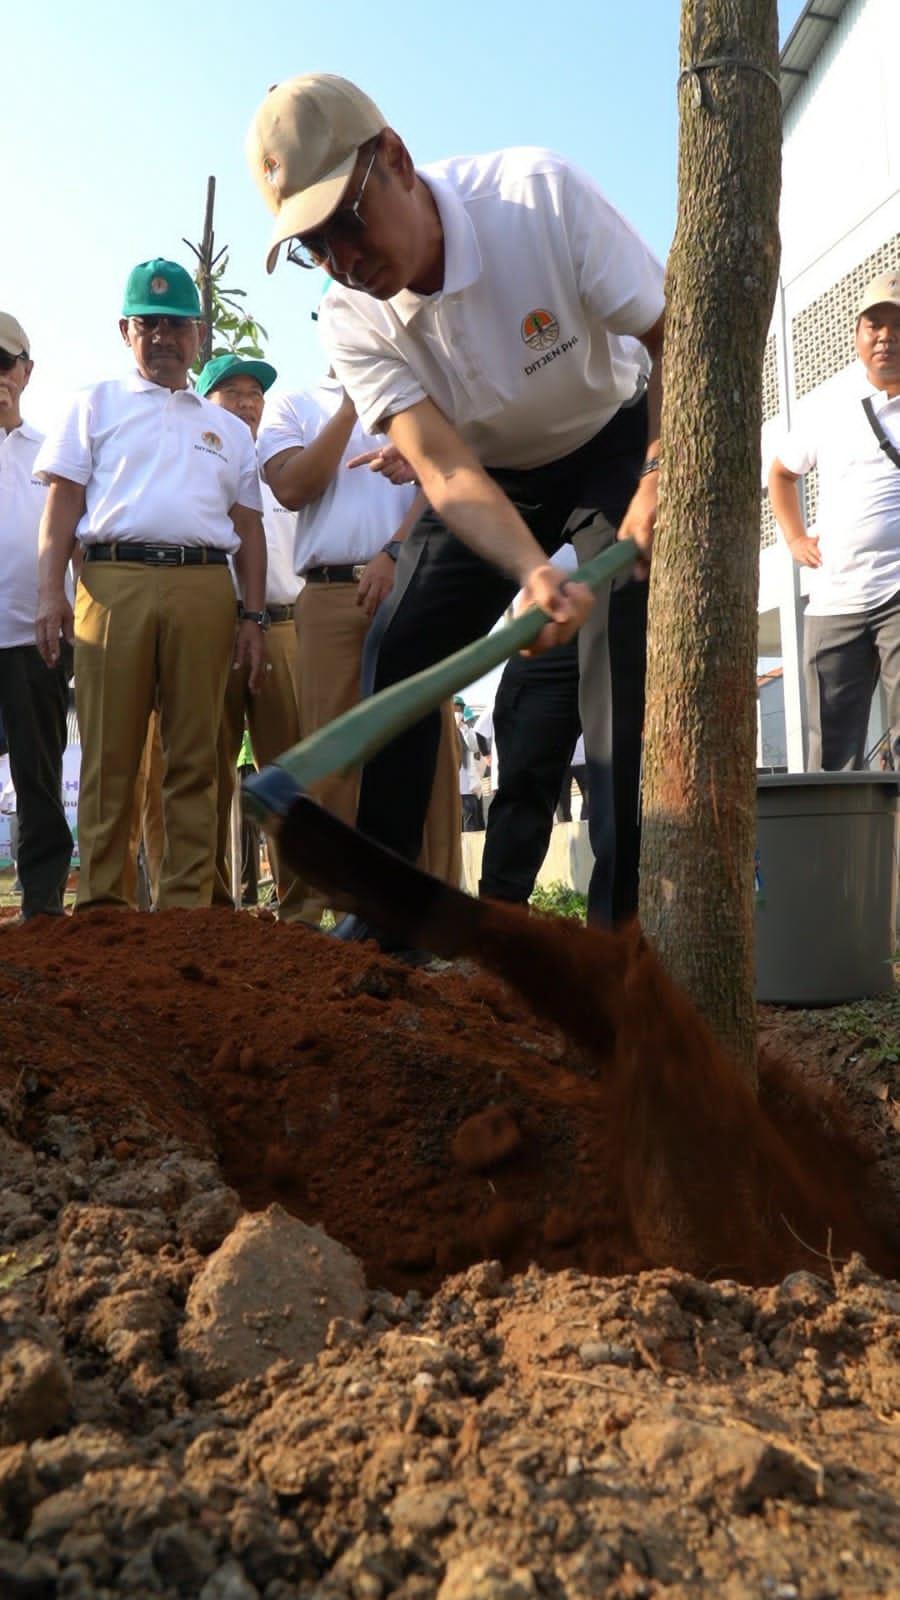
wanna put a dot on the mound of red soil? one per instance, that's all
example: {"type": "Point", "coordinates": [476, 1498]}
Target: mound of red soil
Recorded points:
{"type": "Point", "coordinates": [432, 1120]}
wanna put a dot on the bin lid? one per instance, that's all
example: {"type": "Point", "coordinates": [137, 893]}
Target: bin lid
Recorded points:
{"type": "Point", "coordinates": [825, 780]}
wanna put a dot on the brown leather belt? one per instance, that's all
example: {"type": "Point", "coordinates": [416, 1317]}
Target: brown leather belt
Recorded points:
{"type": "Point", "coordinates": [334, 574]}
{"type": "Point", "coordinates": [157, 555]}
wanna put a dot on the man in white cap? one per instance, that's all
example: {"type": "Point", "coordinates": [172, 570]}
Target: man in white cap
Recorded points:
{"type": "Point", "coordinates": [160, 487]}
{"type": "Point", "coordinates": [487, 315]}
{"type": "Point", "coordinates": [852, 623]}
{"type": "Point", "coordinates": [33, 695]}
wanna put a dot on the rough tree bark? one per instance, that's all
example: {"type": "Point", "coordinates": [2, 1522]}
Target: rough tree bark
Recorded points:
{"type": "Point", "coordinates": [699, 772]}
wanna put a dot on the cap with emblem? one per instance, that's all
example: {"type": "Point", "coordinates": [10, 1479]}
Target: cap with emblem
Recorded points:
{"type": "Point", "coordinates": [230, 366]}
{"type": "Point", "coordinates": [882, 291]}
{"type": "Point", "coordinates": [13, 338]}
{"type": "Point", "coordinates": [302, 148]}
{"type": "Point", "coordinates": [163, 287]}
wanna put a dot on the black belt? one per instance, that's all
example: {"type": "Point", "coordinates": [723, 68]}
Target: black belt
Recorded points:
{"type": "Point", "coordinates": [334, 574]}
{"type": "Point", "coordinates": [158, 555]}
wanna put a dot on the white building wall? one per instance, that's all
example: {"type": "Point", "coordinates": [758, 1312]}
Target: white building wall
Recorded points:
{"type": "Point", "coordinates": [840, 204]}
{"type": "Point", "coordinates": [841, 138]}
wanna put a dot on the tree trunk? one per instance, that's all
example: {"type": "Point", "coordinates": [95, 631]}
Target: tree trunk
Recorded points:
{"type": "Point", "coordinates": [205, 270]}
{"type": "Point", "coordinates": [700, 754]}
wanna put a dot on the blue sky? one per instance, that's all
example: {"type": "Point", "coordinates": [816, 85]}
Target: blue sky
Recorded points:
{"type": "Point", "coordinates": [114, 116]}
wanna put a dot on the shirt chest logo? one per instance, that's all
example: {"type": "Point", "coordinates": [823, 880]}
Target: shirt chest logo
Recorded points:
{"type": "Point", "coordinates": [211, 445]}
{"type": "Point", "coordinates": [540, 332]}
{"type": "Point", "coordinates": [540, 329]}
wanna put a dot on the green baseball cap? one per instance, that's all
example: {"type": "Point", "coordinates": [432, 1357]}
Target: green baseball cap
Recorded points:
{"type": "Point", "coordinates": [161, 286]}
{"type": "Point", "coordinates": [229, 366]}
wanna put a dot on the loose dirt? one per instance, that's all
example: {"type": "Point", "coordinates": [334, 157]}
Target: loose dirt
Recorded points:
{"type": "Point", "coordinates": [677, 1378]}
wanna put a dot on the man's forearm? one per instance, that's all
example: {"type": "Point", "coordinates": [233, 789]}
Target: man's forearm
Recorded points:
{"type": "Point", "coordinates": [250, 560]}
{"type": "Point", "coordinates": [784, 498]}
{"type": "Point", "coordinates": [300, 475]}
{"type": "Point", "coordinates": [483, 518]}
{"type": "Point", "coordinates": [56, 539]}
{"type": "Point", "coordinates": [460, 491]}
{"type": "Point", "coordinates": [654, 409]}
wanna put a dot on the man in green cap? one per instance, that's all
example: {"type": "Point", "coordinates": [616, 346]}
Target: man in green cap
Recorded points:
{"type": "Point", "coordinates": [159, 487]}
{"type": "Point", "coordinates": [273, 713]}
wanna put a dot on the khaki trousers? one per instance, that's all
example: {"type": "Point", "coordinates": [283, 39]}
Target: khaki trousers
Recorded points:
{"type": "Point", "coordinates": [273, 717]}
{"type": "Point", "coordinates": [147, 636]}
{"type": "Point", "coordinates": [147, 817]}
{"type": "Point", "coordinates": [331, 630]}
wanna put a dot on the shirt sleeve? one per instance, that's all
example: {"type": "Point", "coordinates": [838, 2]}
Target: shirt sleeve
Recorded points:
{"type": "Point", "coordinates": [286, 425]}
{"type": "Point", "coordinates": [796, 449]}
{"type": "Point", "coordinates": [367, 363]}
{"type": "Point", "coordinates": [66, 452]}
{"type": "Point", "coordinates": [248, 493]}
{"type": "Point", "coordinates": [619, 278]}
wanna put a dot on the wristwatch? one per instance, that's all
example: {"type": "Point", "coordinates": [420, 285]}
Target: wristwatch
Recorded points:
{"type": "Point", "coordinates": [261, 618]}
{"type": "Point", "coordinates": [392, 548]}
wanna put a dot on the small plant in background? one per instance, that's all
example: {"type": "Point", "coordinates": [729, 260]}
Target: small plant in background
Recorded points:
{"type": "Point", "coordinates": [559, 900]}
{"type": "Point", "coordinates": [234, 330]}
{"type": "Point", "coordinates": [230, 329]}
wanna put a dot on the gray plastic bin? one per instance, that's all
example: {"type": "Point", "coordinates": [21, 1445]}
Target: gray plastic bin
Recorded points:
{"type": "Point", "coordinates": [826, 886]}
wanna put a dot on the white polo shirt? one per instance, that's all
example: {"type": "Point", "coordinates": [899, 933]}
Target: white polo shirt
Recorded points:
{"type": "Point", "coordinates": [282, 583]}
{"type": "Point", "coordinates": [22, 498]}
{"type": "Point", "coordinates": [359, 511]}
{"type": "Point", "coordinates": [159, 466]}
{"type": "Point", "coordinates": [522, 348]}
{"type": "Point", "coordinates": [858, 512]}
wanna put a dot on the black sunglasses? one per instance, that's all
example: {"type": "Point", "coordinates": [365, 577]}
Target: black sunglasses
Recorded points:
{"type": "Point", "coordinates": [7, 362]}
{"type": "Point", "coordinates": [150, 324]}
{"type": "Point", "coordinates": [314, 249]}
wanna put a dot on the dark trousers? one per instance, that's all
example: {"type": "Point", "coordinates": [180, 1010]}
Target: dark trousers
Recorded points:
{"type": "Point", "coordinates": [472, 813]}
{"type": "Point", "coordinates": [33, 699]}
{"type": "Point", "coordinates": [536, 725]}
{"type": "Point", "coordinates": [844, 657]}
{"type": "Point", "coordinates": [445, 596]}
{"type": "Point", "coordinates": [578, 776]}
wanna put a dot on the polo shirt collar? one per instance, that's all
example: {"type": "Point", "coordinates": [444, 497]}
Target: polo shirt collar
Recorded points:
{"type": "Point", "coordinates": [25, 431]}
{"type": "Point", "coordinates": [462, 256]}
{"type": "Point", "coordinates": [136, 383]}
{"type": "Point", "coordinates": [878, 397]}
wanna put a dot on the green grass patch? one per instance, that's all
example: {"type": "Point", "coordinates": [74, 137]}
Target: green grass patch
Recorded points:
{"type": "Point", "coordinates": [560, 900]}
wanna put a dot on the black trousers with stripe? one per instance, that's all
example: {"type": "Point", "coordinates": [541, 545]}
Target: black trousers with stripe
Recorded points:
{"type": "Point", "coordinates": [34, 699]}
{"type": "Point", "coordinates": [445, 596]}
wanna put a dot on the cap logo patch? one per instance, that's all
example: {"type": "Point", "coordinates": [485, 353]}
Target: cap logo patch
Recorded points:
{"type": "Point", "coordinates": [540, 329]}
{"type": "Point", "coordinates": [271, 168]}
{"type": "Point", "coordinates": [211, 440]}
{"type": "Point", "coordinates": [158, 285]}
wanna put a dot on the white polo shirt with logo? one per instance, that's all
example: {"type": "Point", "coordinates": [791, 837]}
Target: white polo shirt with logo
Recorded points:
{"type": "Point", "coordinates": [359, 511]}
{"type": "Point", "coordinates": [22, 499]}
{"type": "Point", "coordinates": [858, 511]}
{"type": "Point", "coordinates": [282, 583]}
{"type": "Point", "coordinates": [158, 466]}
{"type": "Point", "coordinates": [525, 346]}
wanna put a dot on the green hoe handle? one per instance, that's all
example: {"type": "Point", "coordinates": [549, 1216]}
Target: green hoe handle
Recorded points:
{"type": "Point", "coordinates": [350, 739]}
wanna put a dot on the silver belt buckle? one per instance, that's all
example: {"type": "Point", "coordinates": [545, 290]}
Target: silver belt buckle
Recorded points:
{"type": "Point", "coordinates": [163, 555]}
{"type": "Point", "coordinates": [358, 571]}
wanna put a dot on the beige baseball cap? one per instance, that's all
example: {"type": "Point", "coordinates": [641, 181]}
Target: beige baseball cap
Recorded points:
{"type": "Point", "coordinates": [884, 290]}
{"type": "Point", "coordinates": [302, 148]}
{"type": "Point", "coordinates": [13, 338]}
